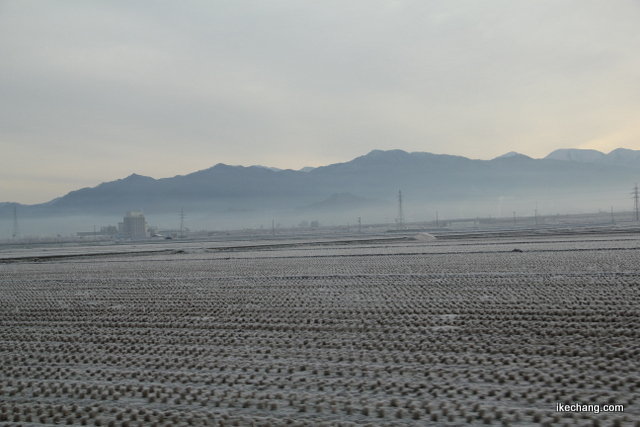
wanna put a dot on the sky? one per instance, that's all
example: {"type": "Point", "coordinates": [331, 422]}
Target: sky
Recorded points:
{"type": "Point", "coordinates": [93, 91]}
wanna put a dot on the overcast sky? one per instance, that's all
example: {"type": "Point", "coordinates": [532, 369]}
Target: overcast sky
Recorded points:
{"type": "Point", "coordinates": [92, 91]}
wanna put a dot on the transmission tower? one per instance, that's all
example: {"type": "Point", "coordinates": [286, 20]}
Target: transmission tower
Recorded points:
{"type": "Point", "coordinates": [16, 230]}
{"type": "Point", "coordinates": [182, 215]}
{"type": "Point", "coordinates": [400, 211]}
{"type": "Point", "coordinates": [636, 206]}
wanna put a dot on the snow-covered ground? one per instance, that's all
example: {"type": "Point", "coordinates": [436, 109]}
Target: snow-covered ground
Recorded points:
{"type": "Point", "coordinates": [380, 332]}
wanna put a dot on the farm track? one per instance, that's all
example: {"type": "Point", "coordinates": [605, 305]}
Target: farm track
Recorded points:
{"type": "Point", "coordinates": [397, 334]}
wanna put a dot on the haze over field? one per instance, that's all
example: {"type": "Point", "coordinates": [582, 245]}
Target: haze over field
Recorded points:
{"type": "Point", "coordinates": [95, 91]}
{"type": "Point", "coordinates": [226, 197]}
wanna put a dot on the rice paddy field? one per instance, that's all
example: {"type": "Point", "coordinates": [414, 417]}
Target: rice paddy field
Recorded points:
{"type": "Point", "coordinates": [452, 332]}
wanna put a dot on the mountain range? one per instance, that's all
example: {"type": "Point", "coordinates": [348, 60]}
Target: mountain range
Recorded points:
{"type": "Point", "coordinates": [367, 181]}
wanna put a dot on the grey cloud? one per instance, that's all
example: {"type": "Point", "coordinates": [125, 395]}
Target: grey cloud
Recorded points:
{"type": "Point", "coordinates": [290, 84]}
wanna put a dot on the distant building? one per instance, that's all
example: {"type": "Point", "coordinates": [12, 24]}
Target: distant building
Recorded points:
{"type": "Point", "coordinates": [109, 231]}
{"type": "Point", "coordinates": [134, 225]}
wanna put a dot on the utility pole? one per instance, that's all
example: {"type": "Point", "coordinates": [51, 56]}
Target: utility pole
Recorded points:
{"type": "Point", "coordinates": [437, 224]}
{"type": "Point", "coordinates": [536, 213]}
{"type": "Point", "coordinates": [514, 217]}
{"type": "Point", "coordinates": [400, 211]}
{"type": "Point", "coordinates": [636, 206]}
{"type": "Point", "coordinates": [182, 223]}
{"type": "Point", "coordinates": [359, 225]}
{"type": "Point", "coordinates": [16, 231]}
{"type": "Point", "coordinates": [273, 227]}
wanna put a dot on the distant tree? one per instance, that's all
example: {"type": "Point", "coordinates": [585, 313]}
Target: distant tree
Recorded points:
{"type": "Point", "coordinates": [315, 224]}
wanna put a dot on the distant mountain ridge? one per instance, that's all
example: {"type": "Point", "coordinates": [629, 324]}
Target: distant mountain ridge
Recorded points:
{"type": "Point", "coordinates": [377, 176]}
{"type": "Point", "coordinates": [510, 154]}
{"type": "Point", "coordinates": [619, 156]}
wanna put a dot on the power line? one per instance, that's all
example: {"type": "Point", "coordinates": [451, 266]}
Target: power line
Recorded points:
{"type": "Point", "coordinates": [400, 210]}
{"type": "Point", "coordinates": [16, 230]}
{"type": "Point", "coordinates": [636, 206]}
{"type": "Point", "coordinates": [182, 215]}
{"type": "Point", "coordinates": [612, 218]}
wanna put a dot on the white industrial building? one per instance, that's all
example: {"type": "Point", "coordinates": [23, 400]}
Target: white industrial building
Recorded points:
{"type": "Point", "coordinates": [134, 226]}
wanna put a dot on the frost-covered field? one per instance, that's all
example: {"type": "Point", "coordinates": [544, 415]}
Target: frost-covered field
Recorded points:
{"type": "Point", "coordinates": [450, 332]}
